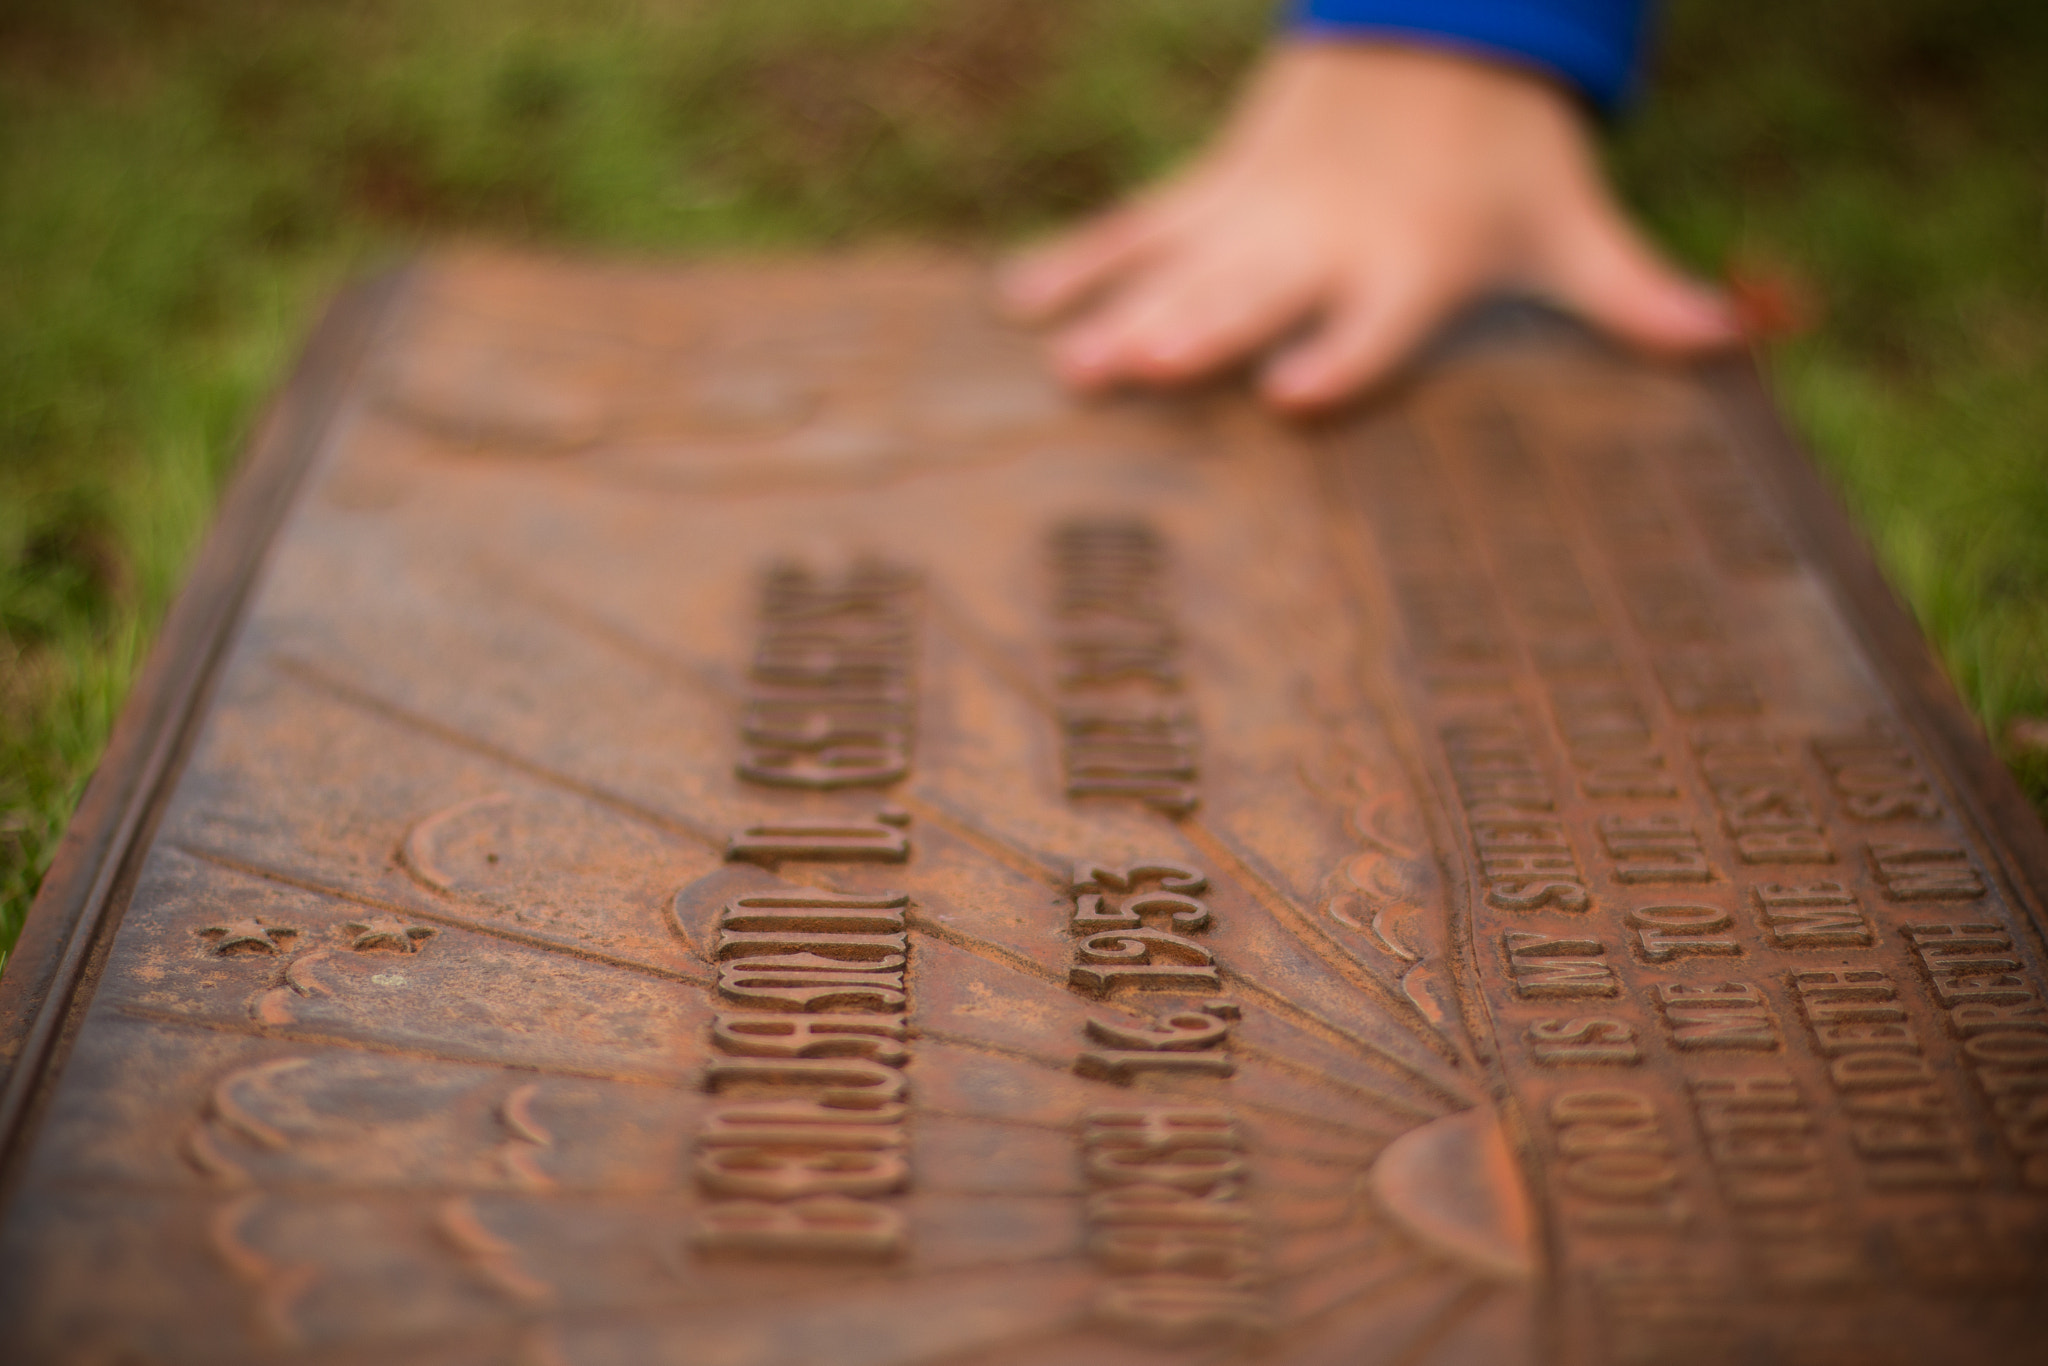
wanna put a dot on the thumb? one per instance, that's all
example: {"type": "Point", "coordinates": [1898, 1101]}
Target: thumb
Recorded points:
{"type": "Point", "coordinates": [1600, 267]}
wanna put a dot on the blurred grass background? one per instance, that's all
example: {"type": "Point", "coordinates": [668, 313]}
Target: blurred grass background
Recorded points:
{"type": "Point", "coordinates": [182, 182]}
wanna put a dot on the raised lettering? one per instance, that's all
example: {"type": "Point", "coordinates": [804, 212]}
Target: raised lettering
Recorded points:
{"type": "Point", "coordinates": [1812, 915]}
{"type": "Point", "coordinates": [881, 840]}
{"type": "Point", "coordinates": [1683, 931]}
{"type": "Point", "coordinates": [1655, 849]}
{"type": "Point", "coordinates": [1544, 966]}
{"type": "Point", "coordinates": [1583, 1042]}
{"type": "Point", "coordinates": [1720, 1015]}
{"type": "Point", "coordinates": [822, 1226]}
{"type": "Point", "coordinates": [1915, 870]}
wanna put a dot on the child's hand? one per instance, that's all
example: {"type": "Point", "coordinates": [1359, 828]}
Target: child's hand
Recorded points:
{"type": "Point", "coordinates": [1359, 196]}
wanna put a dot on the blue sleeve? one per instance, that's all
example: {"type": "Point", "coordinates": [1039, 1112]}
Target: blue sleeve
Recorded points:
{"type": "Point", "coordinates": [1590, 44]}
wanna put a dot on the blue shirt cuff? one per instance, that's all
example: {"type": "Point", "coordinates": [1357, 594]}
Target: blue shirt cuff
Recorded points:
{"type": "Point", "coordinates": [1591, 44]}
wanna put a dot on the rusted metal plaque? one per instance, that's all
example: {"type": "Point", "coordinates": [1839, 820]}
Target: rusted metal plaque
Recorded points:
{"type": "Point", "coordinates": [711, 816]}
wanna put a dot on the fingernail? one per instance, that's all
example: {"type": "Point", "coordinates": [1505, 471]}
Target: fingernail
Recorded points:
{"type": "Point", "coordinates": [1016, 299]}
{"type": "Point", "coordinates": [1023, 286]}
{"type": "Point", "coordinates": [1168, 353]}
{"type": "Point", "coordinates": [1710, 311]}
{"type": "Point", "coordinates": [1292, 383]}
{"type": "Point", "coordinates": [1084, 352]}
{"type": "Point", "coordinates": [1084, 360]}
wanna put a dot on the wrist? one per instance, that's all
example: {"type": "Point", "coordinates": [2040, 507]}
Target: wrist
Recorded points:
{"type": "Point", "coordinates": [1353, 57]}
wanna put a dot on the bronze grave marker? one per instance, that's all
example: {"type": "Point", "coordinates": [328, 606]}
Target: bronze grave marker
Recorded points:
{"type": "Point", "coordinates": [709, 815]}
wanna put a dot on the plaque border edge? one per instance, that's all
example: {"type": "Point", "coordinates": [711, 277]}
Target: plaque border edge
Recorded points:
{"type": "Point", "coordinates": [1842, 559]}
{"type": "Point", "coordinates": [48, 978]}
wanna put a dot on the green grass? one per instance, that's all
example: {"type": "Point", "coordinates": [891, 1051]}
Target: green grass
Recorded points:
{"type": "Point", "coordinates": [1895, 158]}
{"type": "Point", "coordinates": [183, 181]}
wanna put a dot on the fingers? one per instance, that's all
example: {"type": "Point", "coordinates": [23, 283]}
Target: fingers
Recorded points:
{"type": "Point", "coordinates": [1597, 265]}
{"type": "Point", "coordinates": [1372, 328]}
{"type": "Point", "coordinates": [1377, 194]}
{"type": "Point", "coordinates": [1185, 318]}
{"type": "Point", "coordinates": [1049, 280]}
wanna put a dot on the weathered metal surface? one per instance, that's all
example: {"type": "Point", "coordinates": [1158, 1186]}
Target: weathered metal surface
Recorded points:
{"type": "Point", "coordinates": [738, 826]}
